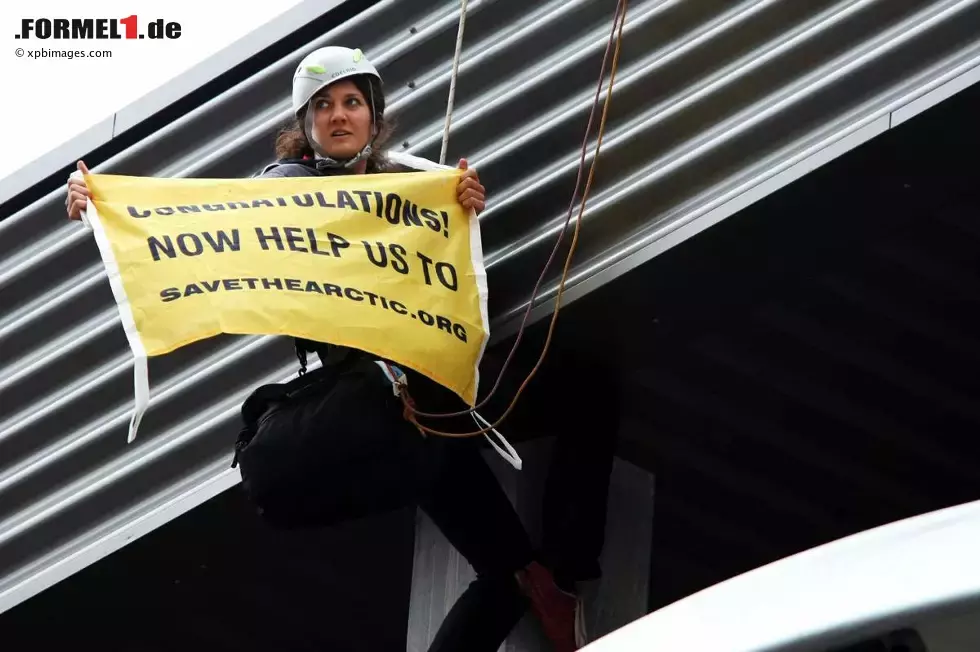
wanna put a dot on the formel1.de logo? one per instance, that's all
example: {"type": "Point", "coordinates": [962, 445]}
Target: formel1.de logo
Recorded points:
{"type": "Point", "coordinates": [96, 28]}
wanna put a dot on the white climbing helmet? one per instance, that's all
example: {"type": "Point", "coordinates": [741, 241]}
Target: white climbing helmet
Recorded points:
{"type": "Point", "coordinates": [324, 66]}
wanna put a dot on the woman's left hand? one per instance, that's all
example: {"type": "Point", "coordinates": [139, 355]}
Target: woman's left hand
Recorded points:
{"type": "Point", "coordinates": [470, 192]}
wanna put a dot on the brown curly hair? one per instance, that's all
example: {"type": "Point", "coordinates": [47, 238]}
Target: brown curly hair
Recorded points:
{"type": "Point", "coordinates": [292, 141]}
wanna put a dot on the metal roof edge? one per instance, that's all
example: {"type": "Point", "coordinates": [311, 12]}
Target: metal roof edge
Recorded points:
{"type": "Point", "coordinates": [684, 227]}
{"type": "Point", "coordinates": [163, 96]}
{"type": "Point", "coordinates": [117, 538]}
{"type": "Point", "coordinates": [196, 490]}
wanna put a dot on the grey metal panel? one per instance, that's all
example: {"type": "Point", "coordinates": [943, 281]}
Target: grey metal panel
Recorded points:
{"type": "Point", "coordinates": [711, 98]}
{"type": "Point", "coordinates": [440, 574]}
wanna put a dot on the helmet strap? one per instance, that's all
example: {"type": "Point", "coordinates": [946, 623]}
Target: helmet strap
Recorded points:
{"type": "Point", "coordinates": [325, 161]}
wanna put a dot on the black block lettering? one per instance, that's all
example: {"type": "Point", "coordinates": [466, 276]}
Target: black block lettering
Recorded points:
{"type": "Point", "coordinates": [305, 200]}
{"type": "Point", "coordinates": [293, 238]}
{"type": "Point", "coordinates": [431, 219]}
{"type": "Point", "coordinates": [426, 262]}
{"type": "Point", "coordinates": [382, 259]}
{"type": "Point", "coordinates": [189, 244]}
{"type": "Point", "coordinates": [444, 324]}
{"type": "Point", "coordinates": [344, 200]}
{"type": "Point", "coordinates": [410, 215]}
{"type": "Point", "coordinates": [224, 240]}
{"type": "Point", "coordinates": [264, 239]}
{"type": "Point", "coordinates": [398, 262]}
{"type": "Point", "coordinates": [337, 244]}
{"type": "Point", "coordinates": [156, 247]}
{"type": "Point", "coordinates": [322, 201]}
{"type": "Point", "coordinates": [314, 246]}
{"type": "Point", "coordinates": [447, 276]}
{"type": "Point", "coordinates": [82, 27]}
{"type": "Point", "coordinates": [393, 208]}
{"type": "Point", "coordinates": [353, 295]}
{"type": "Point", "coordinates": [365, 202]}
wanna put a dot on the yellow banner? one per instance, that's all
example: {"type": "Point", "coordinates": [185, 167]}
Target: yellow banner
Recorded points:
{"type": "Point", "coordinates": [388, 263]}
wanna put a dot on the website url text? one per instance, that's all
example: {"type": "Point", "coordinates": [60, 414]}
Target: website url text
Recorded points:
{"type": "Point", "coordinates": [48, 53]}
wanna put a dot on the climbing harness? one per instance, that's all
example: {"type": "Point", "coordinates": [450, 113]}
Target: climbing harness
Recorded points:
{"type": "Point", "coordinates": [399, 386]}
{"type": "Point", "coordinates": [615, 37]}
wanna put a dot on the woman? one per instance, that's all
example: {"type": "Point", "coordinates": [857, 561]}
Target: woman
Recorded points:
{"type": "Point", "coordinates": [340, 128]}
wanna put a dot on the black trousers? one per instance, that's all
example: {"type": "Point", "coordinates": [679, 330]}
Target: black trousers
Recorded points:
{"type": "Point", "coordinates": [464, 499]}
{"type": "Point", "coordinates": [467, 504]}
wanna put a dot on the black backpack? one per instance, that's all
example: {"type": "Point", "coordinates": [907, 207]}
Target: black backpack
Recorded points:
{"type": "Point", "coordinates": [329, 446]}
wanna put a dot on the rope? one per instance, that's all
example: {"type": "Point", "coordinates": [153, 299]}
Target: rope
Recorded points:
{"type": "Point", "coordinates": [561, 237]}
{"type": "Point", "coordinates": [452, 82]}
{"type": "Point", "coordinates": [411, 413]}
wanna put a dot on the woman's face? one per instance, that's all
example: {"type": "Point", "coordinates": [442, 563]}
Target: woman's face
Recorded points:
{"type": "Point", "coordinates": [341, 119]}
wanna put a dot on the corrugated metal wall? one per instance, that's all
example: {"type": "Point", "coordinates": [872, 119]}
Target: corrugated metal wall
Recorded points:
{"type": "Point", "coordinates": [806, 370]}
{"type": "Point", "coordinates": [713, 99]}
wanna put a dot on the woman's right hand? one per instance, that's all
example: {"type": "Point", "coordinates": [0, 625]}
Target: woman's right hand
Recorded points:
{"type": "Point", "coordinates": [78, 194]}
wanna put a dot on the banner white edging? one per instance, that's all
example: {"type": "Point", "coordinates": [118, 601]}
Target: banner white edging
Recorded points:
{"type": "Point", "coordinates": [141, 380]}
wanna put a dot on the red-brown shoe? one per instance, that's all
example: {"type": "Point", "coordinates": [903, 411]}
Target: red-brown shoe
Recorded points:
{"type": "Point", "coordinates": [556, 609]}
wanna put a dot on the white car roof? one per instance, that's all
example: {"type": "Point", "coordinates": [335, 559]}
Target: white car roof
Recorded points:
{"type": "Point", "coordinates": [868, 580]}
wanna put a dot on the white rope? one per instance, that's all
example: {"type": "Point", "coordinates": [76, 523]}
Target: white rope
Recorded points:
{"type": "Point", "coordinates": [452, 83]}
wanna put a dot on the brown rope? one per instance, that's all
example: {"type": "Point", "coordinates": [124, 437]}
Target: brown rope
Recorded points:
{"type": "Point", "coordinates": [410, 411]}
